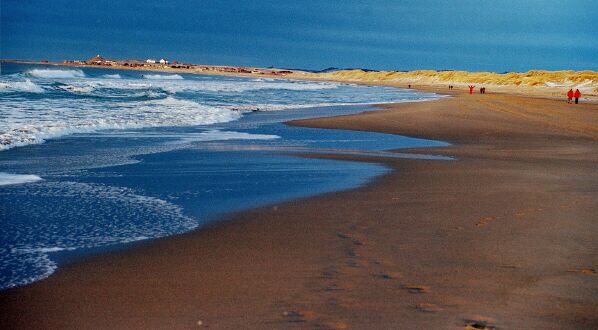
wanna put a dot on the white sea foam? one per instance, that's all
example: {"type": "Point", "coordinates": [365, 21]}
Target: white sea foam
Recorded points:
{"type": "Point", "coordinates": [21, 86]}
{"type": "Point", "coordinates": [112, 76]}
{"type": "Point", "coordinates": [243, 86]}
{"type": "Point", "coordinates": [9, 178]}
{"type": "Point", "coordinates": [77, 89]}
{"type": "Point", "coordinates": [278, 107]}
{"type": "Point", "coordinates": [91, 216]}
{"type": "Point", "coordinates": [163, 77]}
{"type": "Point", "coordinates": [218, 135]}
{"type": "Point", "coordinates": [55, 73]}
{"type": "Point", "coordinates": [169, 100]}
{"type": "Point", "coordinates": [67, 118]}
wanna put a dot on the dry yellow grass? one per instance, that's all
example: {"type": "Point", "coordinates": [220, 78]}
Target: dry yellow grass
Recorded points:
{"type": "Point", "coordinates": [584, 80]}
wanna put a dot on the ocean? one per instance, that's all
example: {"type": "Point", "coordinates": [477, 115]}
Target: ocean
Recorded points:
{"type": "Point", "coordinates": [94, 159]}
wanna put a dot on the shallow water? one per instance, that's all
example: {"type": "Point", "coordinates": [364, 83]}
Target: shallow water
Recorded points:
{"type": "Point", "coordinates": [88, 192]}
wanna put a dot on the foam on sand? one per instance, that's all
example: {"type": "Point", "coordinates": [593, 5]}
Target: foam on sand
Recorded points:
{"type": "Point", "coordinates": [55, 74]}
{"type": "Point", "coordinates": [95, 215]}
{"type": "Point", "coordinates": [8, 178]}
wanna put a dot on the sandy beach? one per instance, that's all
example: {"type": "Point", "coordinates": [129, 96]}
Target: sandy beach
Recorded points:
{"type": "Point", "coordinates": [504, 236]}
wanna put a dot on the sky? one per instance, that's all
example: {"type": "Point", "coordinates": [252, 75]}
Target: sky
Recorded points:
{"type": "Point", "coordinates": [478, 35]}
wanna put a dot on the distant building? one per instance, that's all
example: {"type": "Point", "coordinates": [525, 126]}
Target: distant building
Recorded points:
{"type": "Point", "coordinates": [150, 61]}
{"type": "Point", "coordinates": [98, 60]}
{"type": "Point", "coordinates": [163, 61]}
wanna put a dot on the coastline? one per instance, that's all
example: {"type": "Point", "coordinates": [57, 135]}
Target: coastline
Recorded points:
{"type": "Point", "coordinates": [502, 237]}
{"type": "Point", "coordinates": [423, 80]}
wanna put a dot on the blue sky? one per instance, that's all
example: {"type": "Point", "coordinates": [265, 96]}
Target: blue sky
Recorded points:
{"type": "Point", "coordinates": [498, 36]}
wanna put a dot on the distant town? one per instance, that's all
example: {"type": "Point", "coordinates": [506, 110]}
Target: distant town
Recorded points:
{"type": "Point", "coordinates": [163, 65]}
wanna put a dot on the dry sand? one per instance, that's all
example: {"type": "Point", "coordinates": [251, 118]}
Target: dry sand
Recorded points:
{"type": "Point", "coordinates": [505, 236]}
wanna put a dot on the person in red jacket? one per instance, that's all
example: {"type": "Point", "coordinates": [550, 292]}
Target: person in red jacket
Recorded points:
{"type": "Point", "coordinates": [577, 95]}
{"type": "Point", "coordinates": [471, 87]}
{"type": "Point", "coordinates": [570, 95]}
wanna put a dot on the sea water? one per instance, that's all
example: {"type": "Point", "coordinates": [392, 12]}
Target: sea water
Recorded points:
{"type": "Point", "coordinates": [92, 159]}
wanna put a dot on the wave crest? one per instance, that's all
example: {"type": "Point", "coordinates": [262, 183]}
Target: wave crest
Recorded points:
{"type": "Point", "coordinates": [67, 119]}
{"type": "Point", "coordinates": [9, 178]}
{"type": "Point", "coordinates": [163, 76]}
{"type": "Point", "coordinates": [112, 76]}
{"type": "Point", "coordinates": [22, 86]}
{"type": "Point", "coordinates": [55, 73]}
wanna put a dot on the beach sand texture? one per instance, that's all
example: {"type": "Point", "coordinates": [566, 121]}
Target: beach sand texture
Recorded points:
{"type": "Point", "coordinates": [502, 237]}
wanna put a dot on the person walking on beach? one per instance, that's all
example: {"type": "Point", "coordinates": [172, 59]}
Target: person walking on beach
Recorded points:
{"type": "Point", "coordinates": [577, 95]}
{"type": "Point", "coordinates": [471, 87]}
{"type": "Point", "coordinates": [570, 96]}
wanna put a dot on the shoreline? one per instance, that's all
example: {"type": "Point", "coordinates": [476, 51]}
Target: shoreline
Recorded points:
{"type": "Point", "coordinates": [503, 237]}
{"type": "Point", "coordinates": [557, 92]}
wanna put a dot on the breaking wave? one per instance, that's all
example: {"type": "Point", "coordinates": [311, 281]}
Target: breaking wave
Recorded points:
{"type": "Point", "coordinates": [112, 76]}
{"type": "Point", "coordinates": [55, 73]}
{"type": "Point", "coordinates": [67, 118]}
{"type": "Point", "coordinates": [9, 178]}
{"type": "Point", "coordinates": [21, 86]}
{"type": "Point", "coordinates": [163, 77]}
{"type": "Point", "coordinates": [69, 101]}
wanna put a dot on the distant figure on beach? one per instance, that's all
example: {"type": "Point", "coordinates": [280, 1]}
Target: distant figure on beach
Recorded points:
{"type": "Point", "coordinates": [577, 95]}
{"type": "Point", "coordinates": [482, 90]}
{"type": "Point", "coordinates": [409, 86]}
{"type": "Point", "coordinates": [471, 87]}
{"type": "Point", "coordinates": [570, 95]}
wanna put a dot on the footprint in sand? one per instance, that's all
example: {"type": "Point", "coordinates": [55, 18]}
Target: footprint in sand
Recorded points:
{"type": "Point", "coordinates": [484, 221]}
{"type": "Point", "coordinates": [484, 323]}
{"type": "Point", "coordinates": [294, 316]}
{"type": "Point", "coordinates": [330, 273]}
{"type": "Point", "coordinates": [427, 308]}
{"type": "Point", "coordinates": [298, 316]}
{"type": "Point", "coordinates": [332, 325]}
{"type": "Point", "coordinates": [387, 275]}
{"type": "Point", "coordinates": [417, 289]}
{"type": "Point", "coordinates": [584, 271]}
{"type": "Point", "coordinates": [348, 237]}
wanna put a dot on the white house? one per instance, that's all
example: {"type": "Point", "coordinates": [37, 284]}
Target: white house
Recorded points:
{"type": "Point", "coordinates": [163, 61]}
{"type": "Point", "coordinates": [150, 61]}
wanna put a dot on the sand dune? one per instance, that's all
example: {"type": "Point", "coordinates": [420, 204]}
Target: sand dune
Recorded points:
{"type": "Point", "coordinates": [586, 81]}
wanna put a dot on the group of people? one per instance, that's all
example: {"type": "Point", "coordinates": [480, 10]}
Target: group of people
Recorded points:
{"type": "Point", "coordinates": [471, 87]}
{"type": "Point", "coordinates": [571, 95]}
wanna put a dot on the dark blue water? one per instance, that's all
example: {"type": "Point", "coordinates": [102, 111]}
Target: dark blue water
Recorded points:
{"type": "Point", "coordinates": [507, 35]}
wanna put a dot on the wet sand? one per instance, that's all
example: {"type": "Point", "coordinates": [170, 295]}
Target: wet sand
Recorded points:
{"type": "Point", "coordinates": [504, 237]}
